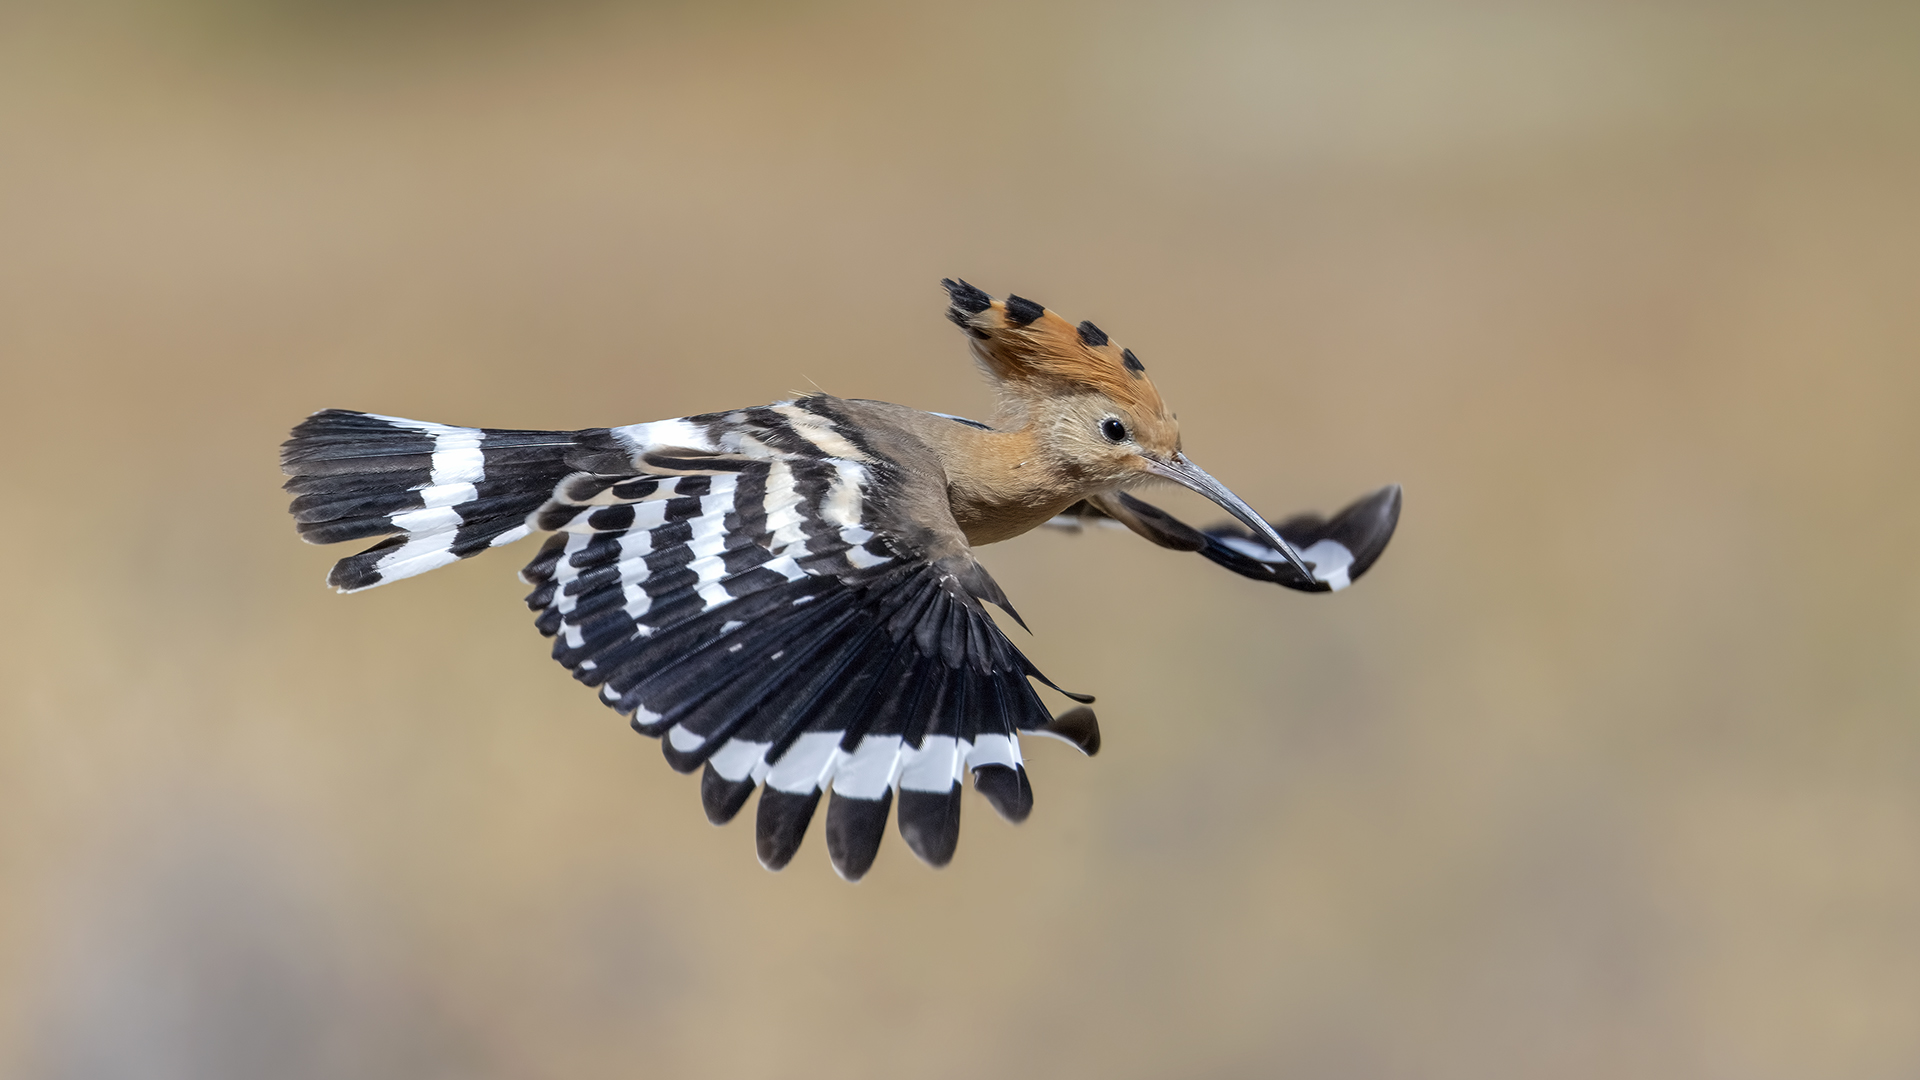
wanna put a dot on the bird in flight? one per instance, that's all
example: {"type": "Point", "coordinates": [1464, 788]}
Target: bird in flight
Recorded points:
{"type": "Point", "coordinates": [786, 596]}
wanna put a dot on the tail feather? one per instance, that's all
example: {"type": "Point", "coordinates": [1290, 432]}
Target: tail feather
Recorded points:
{"type": "Point", "coordinates": [369, 476]}
{"type": "Point", "coordinates": [438, 493]}
{"type": "Point", "coordinates": [356, 519]}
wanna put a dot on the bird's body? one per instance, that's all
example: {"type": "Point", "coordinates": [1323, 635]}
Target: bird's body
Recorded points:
{"type": "Point", "coordinates": [786, 595]}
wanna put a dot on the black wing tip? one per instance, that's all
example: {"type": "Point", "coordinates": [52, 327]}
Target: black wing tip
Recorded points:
{"type": "Point", "coordinates": [1007, 789]}
{"type": "Point", "coordinates": [652, 729]}
{"type": "Point", "coordinates": [781, 824]}
{"type": "Point", "coordinates": [930, 823]}
{"type": "Point", "coordinates": [854, 830]}
{"type": "Point", "coordinates": [1078, 726]}
{"type": "Point", "coordinates": [1072, 695]}
{"type": "Point", "coordinates": [1033, 672]}
{"type": "Point", "coordinates": [1363, 527]}
{"type": "Point", "coordinates": [1384, 508]}
{"type": "Point", "coordinates": [684, 761]}
{"type": "Point", "coordinates": [722, 798]}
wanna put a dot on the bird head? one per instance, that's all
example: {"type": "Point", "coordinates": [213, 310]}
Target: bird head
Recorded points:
{"type": "Point", "coordinates": [1097, 418]}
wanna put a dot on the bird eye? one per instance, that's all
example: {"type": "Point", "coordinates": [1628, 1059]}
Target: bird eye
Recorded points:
{"type": "Point", "coordinates": [1114, 430]}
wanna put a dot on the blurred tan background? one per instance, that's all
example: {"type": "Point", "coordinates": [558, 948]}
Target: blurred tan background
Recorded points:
{"type": "Point", "coordinates": [1610, 769]}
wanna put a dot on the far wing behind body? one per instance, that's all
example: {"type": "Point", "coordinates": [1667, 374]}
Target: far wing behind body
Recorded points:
{"type": "Point", "coordinates": [1339, 549]}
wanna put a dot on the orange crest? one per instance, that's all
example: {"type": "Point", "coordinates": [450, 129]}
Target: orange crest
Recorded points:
{"type": "Point", "coordinates": [1034, 353]}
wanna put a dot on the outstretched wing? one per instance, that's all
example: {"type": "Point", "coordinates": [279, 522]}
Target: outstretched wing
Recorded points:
{"type": "Point", "coordinates": [751, 594]}
{"type": "Point", "coordinates": [1339, 549]}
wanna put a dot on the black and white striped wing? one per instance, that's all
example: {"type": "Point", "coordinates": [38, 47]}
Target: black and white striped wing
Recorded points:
{"type": "Point", "coordinates": [1339, 549]}
{"type": "Point", "coordinates": [742, 598]}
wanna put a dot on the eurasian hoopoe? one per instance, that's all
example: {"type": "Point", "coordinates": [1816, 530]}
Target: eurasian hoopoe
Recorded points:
{"type": "Point", "coordinates": [787, 594]}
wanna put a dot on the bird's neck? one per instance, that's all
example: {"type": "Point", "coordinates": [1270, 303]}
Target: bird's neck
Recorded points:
{"type": "Point", "coordinates": [1002, 483]}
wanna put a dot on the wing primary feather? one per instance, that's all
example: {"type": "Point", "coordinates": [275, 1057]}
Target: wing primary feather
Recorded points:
{"type": "Point", "coordinates": [854, 830]}
{"type": "Point", "coordinates": [1078, 726]}
{"type": "Point", "coordinates": [888, 704]}
{"type": "Point", "coordinates": [1006, 789]}
{"type": "Point", "coordinates": [799, 715]}
{"type": "Point", "coordinates": [852, 702]}
{"type": "Point", "coordinates": [715, 719]}
{"type": "Point", "coordinates": [781, 824]}
{"type": "Point", "coordinates": [1034, 672]}
{"type": "Point", "coordinates": [540, 570]}
{"type": "Point", "coordinates": [930, 823]}
{"type": "Point", "coordinates": [722, 798]}
{"type": "Point", "coordinates": [710, 669]}
{"type": "Point", "coordinates": [906, 617]}
{"type": "Point", "coordinates": [931, 693]}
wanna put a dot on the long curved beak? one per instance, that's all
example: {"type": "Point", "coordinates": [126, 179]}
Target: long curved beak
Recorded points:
{"type": "Point", "coordinates": [1188, 475]}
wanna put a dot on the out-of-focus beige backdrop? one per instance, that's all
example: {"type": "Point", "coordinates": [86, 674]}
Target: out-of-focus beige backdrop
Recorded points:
{"type": "Point", "coordinates": [1610, 769]}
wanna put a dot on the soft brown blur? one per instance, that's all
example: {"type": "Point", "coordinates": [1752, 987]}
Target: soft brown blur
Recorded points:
{"type": "Point", "coordinates": [1610, 769]}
